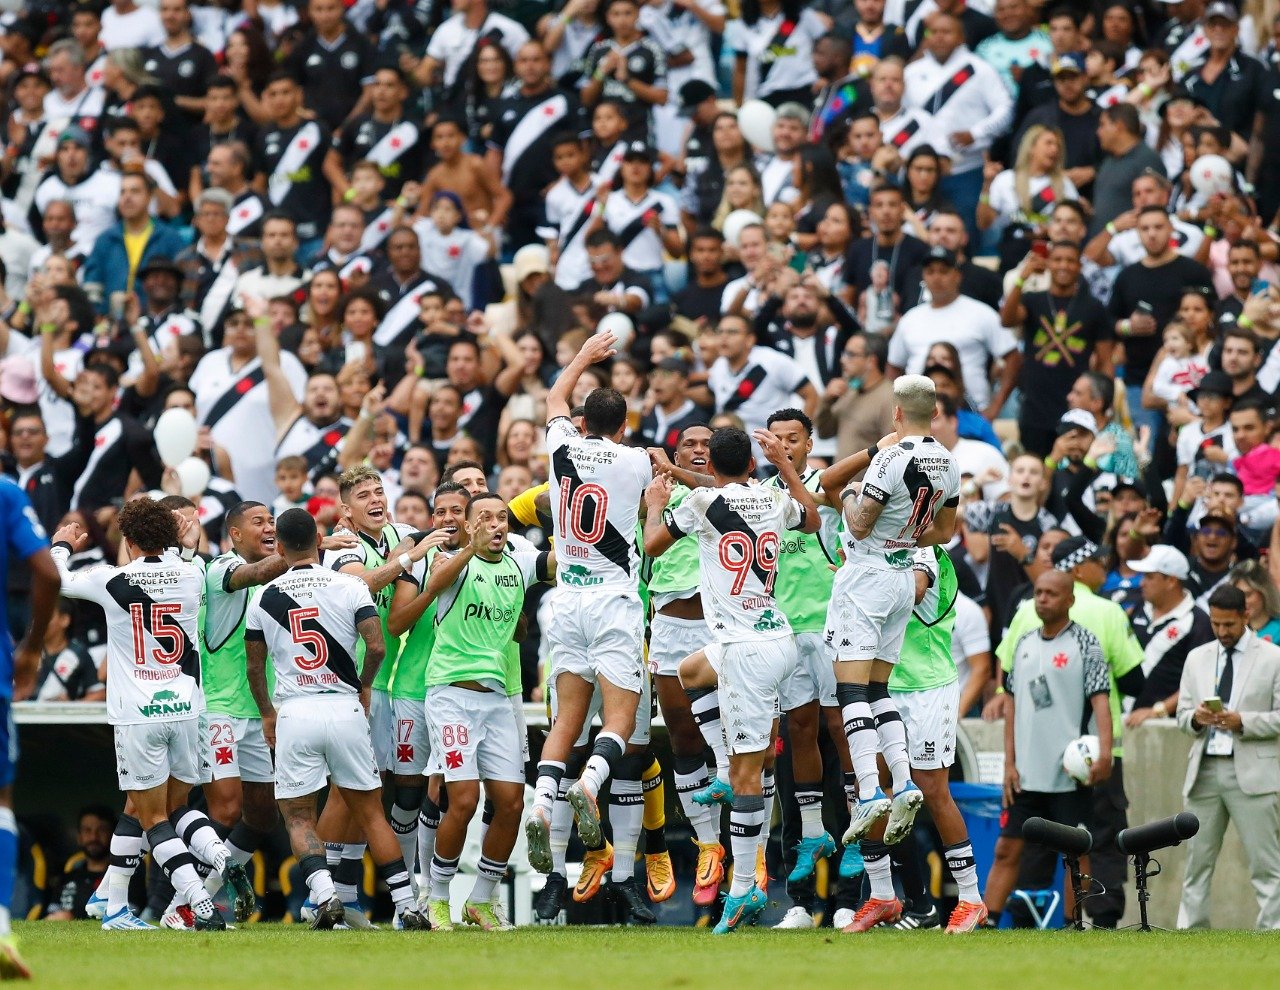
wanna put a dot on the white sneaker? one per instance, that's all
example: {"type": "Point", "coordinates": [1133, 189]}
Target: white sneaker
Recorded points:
{"type": "Point", "coordinates": [902, 814]}
{"type": "Point", "coordinates": [180, 919]}
{"type": "Point", "coordinates": [843, 917]}
{"type": "Point", "coordinates": [125, 920]}
{"type": "Point", "coordinates": [796, 917]}
{"type": "Point", "coordinates": [865, 814]}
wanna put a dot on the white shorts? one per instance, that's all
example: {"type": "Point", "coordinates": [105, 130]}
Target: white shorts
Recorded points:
{"type": "Point", "coordinates": [751, 674]}
{"type": "Point", "coordinates": [645, 713]}
{"type": "Point", "coordinates": [869, 610]}
{"type": "Point", "coordinates": [672, 639]}
{"type": "Point", "coordinates": [475, 733]}
{"type": "Point", "coordinates": [522, 725]}
{"type": "Point", "coordinates": [601, 635]}
{"type": "Point", "coordinates": [321, 738]}
{"type": "Point", "coordinates": [236, 747]}
{"type": "Point", "coordinates": [930, 718]}
{"type": "Point", "coordinates": [411, 741]}
{"type": "Point", "coordinates": [148, 754]}
{"type": "Point", "coordinates": [382, 729]}
{"type": "Point", "coordinates": [814, 678]}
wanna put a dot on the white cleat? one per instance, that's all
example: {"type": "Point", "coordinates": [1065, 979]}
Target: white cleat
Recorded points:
{"type": "Point", "coordinates": [180, 919]}
{"type": "Point", "coordinates": [796, 917]}
{"type": "Point", "coordinates": [902, 815]}
{"type": "Point", "coordinates": [125, 920]}
{"type": "Point", "coordinates": [843, 917]}
{"type": "Point", "coordinates": [96, 906]}
{"type": "Point", "coordinates": [865, 814]}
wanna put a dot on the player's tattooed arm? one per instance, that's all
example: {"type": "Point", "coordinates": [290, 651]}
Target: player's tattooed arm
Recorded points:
{"type": "Point", "coordinates": [861, 514]}
{"type": "Point", "coordinates": [596, 349]}
{"type": "Point", "coordinates": [658, 537]}
{"type": "Point", "coordinates": [375, 651]}
{"type": "Point", "coordinates": [380, 577]}
{"type": "Point", "coordinates": [836, 478]}
{"type": "Point", "coordinates": [300, 822]}
{"type": "Point", "coordinates": [255, 655]}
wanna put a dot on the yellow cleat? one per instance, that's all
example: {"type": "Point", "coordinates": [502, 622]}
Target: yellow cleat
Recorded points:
{"type": "Point", "coordinates": [595, 867]}
{"type": "Point", "coordinates": [710, 872]}
{"type": "Point", "coordinates": [662, 879]}
{"type": "Point", "coordinates": [12, 966]}
{"type": "Point", "coordinates": [762, 870]}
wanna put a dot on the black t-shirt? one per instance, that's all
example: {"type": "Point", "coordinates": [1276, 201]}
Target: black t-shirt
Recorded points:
{"type": "Point", "coordinates": [71, 891]}
{"type": "Point", "coordinates": [1005, 571]}
{"type": "Point", "coordinates": [1079, 132]}
{"type": "Point", "coordinates": [698, 302]}
{"type": "Point", "coordinates": [976, 282]}
{"type": "Point", "coordinates": [1160, 288]}
{"type": "Point", "coordinates": [481, 409]}
{"type": "Point", "coordinates": [201, 139]}
{"type": "Point", "coordinates": [646, 63]}
{"type": "Point", "coordinates": [302, 191]}
{"type": "Point", "coordinates": [667, 433]}
{"type": "Point", "coordinates": [1182, 634]}
{"type": "Point", "coordinates": [1236, 96]}
{"type": "Point", "coordinates": [185, 72]}
{"type": "Point", "coordinates": [524, 128]}
{"type": "Point", "coordinates": [401, 156]}
{"type": "Point", "coordinates": [333, 76]}
{"type": "Point", "coordinates": [903, 259]}
{"type": "Point", "coordinates": [1058, 340]}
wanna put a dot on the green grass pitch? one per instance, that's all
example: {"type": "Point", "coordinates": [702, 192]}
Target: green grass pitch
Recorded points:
{"type": "Point", "coordinates": [270, 955]}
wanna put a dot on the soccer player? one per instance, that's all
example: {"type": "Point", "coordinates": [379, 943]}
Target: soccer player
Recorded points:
{"type": "Point", "coordinates": [740, 528]}
{"type": "Point", "coordinates": [21, 538]}
{"type": "Point", "coordinates": [383, 555]}
{"type": "Point", "coordinates": [154, 700]}
{"type": "Point", "coordinates": [678, 629]}
{"type": "Point", "coordinates": [478, 594]}
{"type": "Point", "coordinates": [309, 620]}
{"type": "Point", "coordinates": [908, 499]}
{"type": "Point", "coordinates": [598, 628]}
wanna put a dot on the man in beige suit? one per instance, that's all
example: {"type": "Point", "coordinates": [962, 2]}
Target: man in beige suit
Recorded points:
{"type": "Point", "coordinates": [1234, 771]}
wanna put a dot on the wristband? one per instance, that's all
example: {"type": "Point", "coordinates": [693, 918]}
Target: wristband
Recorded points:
{"type": "Point", "coordinates": [1210, 231]}
{"type": "Point", "coordinates": [1090, 463]}
{"type": "Point", "coordinates": [1110, 228]}
{"type": "Point", "coordinates": [847, 494]}
{"type": "Point", "coordinates": [1000, 689]}
{"type": "Point", "coordinates": [1145, 90]}
{"type": "Point", "coordinates": [348, 196]}
{"type": "Point", "coordinates": [420, 371]}
{"type": "Point", "coordinates": [261, 321]}
{"type": "Point", "coordinates": [1019, 282]}
{"type": "Point", "coordinates": [1245, 323]}
{"type": "Point", "coordinates": [48, 328]}
{"type": "Point", "coordinates": [984, 199]}
{"type": "Point", "coordinates": [405, 562]}
{"type": "Point", "coordinates": [1160, 709]}
{"type": "Point", "coordinates": [564, 19]}
{"type": "Point", "coordinates": [1124, 328]}
{"type": "Point", "coordinates": [24, 307]}
{"type": "Point", "coordinates": [401, 202]}
{"type": "Point", "coordinates": [598, 75]}
{"type": "Point", "coordinates": [872, 451]}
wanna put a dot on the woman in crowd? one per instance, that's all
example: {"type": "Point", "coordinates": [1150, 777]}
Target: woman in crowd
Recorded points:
{"type": "Point", "coordinates": [742, 191]}
{"type": "Point", "coordinates": [568, 36]}
{"type": "Point", "coordinates": [491, 72]}
{"type": "Point", "coordinates": [705, 179]}
{"type": "Point", "coordinates": [1018, 201]}
{"type": "Point", "coordinates": [248, 61]}
{"type": "Point", "coordinates": [924, 195]}
{"type": "Point", "coordinates": [1124, 545]}
{"type": "Point", "coordinates": [837, 229]}
{"type": "Point", "coordinates": [1261, 598]}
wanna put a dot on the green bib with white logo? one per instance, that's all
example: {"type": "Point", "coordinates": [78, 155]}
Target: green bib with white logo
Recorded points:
{"type": "Point", "coordinates": [475, 620]}
{"type": "Point", "coordinates": [803, 588]}
{"type": "Point", "coordinates": [926, 661]}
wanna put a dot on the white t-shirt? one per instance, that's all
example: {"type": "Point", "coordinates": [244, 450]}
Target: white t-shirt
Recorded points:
{"type": "Point", "coordinates": [453, 256]}
{"type": "Point", "coordinates": [776, 63]}
{"type": "Point", "coordinates": [1192, 437]}
{"type": "Point", "coordinates": [565, 205]}
{"type": "Point", "coordinates": [1003, 197]}
{"type": "Point", "coordinates": [970, 636]}
{"type": "Point", "coordinates": [644, 252]}
{"type": "Point", "coordinates": [975, 457]}
{"type": "Point", "coordinates": [973, 327]}
{"type": "Point", "coordinates": [139, 28]}
{"type": "Point", "coordinates": [453, 41]}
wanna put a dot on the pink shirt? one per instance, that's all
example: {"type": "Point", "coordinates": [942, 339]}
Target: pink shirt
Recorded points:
{"type": "Point", "coordinates": [1258, 469]}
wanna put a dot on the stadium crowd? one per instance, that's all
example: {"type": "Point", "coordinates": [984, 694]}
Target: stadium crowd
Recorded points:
{"type": "Point", "coordinates": [377, 232]}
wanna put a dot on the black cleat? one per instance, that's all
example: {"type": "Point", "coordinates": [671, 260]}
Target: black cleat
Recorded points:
{"type": "Point", "coordinates": [911, 920]}
{"type": "Point", "coordinates": [329, 914]}
{"type": "Point", "coordinates": [550, 900]}
{"type": "Point", "coordinates": [213, 923]}
{"type": "Point", "coordinates": [234, 874]}
{"type": "Point", "coordinates": [628, 896]}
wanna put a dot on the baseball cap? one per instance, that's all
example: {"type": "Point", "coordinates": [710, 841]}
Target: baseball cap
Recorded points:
{"type": "Point", "coordinates": [18, 381]}
{"type": "Point", "coordinates": [1213, 383]}
{"type": "Point", "coordinates": [1077, 419]}
{"type": "Point", "coordinates": [638, 149]}
{"type": "Point", "coordinates": [1225, 521]}
{"type": "Point", "coordinates": [677, 364]}
{"type": "Point", "coordinates": [76, 135]}
{"type": "Point", "coordinates": [1068, 62]}
{"type": "Point", "coordinates": [532, 259]}
{"type": "Point", "coordinates": [160, 264]}
{"type": "Point", "coordinates": [1130, 484]}
{"type": "Point", "coordinates": [692, 93]}
{"type": "Point", "coordinates": [32, 70]}
{"type": "Point", "coordinates": [1220, 9]}
{"type": "Point", "coordinates": [939, 253]}
{"type": "Point", "coordinates": [1074, 551]}
{"type": "Point", "coordinates": [1163, 559]}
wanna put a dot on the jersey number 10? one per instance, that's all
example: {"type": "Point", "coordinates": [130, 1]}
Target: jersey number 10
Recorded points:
{"type": "Point", "coordinates": [573, 512]}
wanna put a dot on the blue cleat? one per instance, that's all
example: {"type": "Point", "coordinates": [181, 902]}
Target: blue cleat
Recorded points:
{"type": "Point", "coordinates": [808, 852]}
{"type": "Point", "coordinates": [716, 792]}
{"type": "Point", "coordinates": [851, 864]}
{"type": "Point", "coordinates": [125, 920]}
{"type": "Point", "coordinates": [865, 815]}
{"type": "Point", "coordinates": [906, 803]}
{"type": "Point", "coordinates": [739, 911]}
{"type": "Point", "coordinates": [96, 906]}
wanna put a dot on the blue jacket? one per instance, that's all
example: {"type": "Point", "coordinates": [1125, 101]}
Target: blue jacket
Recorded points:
{"type": "Point", "coordinates": [108, 262]}
{"type": "Point", "coordinates": [974, 426]}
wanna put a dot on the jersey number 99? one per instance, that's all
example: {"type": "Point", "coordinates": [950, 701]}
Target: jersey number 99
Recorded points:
{"type": "Point", "coordinates": [739, 554]}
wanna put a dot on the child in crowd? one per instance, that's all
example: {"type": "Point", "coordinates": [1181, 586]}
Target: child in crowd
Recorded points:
{"type": "Point", "coordinates": [857, 173]}
{"type": "Point", "coordinates": [1181, 369]}
{"type": "Point", "coordinates": [291, 479]}
{"type": "Point", "coordinates": [449, 248]}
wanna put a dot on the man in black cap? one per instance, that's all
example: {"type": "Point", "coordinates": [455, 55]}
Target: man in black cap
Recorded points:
{"type": "Point", "coordinates": [1205, 445]}
{"type": "Point", "coordinates": [1231, 84]}
{"type": "Point", "coordinates": [672, 410]}
{"type": "Point", "coordinates": [164, 317]}
{"type": "Point", "coordinates": [698, 105]}
{"type": "Point", "coordinates": [1073, 113]}
{"type": "Point", "coordinates": [1213, 553]}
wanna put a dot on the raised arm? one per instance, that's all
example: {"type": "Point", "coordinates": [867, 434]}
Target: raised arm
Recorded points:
{"type": "Point", "coordinates": [836, 478]}
{"type": "Point", "coordinates": [598, 347]}
{"type": "Point", "coordinates": [658, 537]}
{"type": "Point", "coordinates": [45, 582]}
{"type": "Point", "coordinates": [283, 403]}
{"type": "Point", "coordinates": [88, 584]}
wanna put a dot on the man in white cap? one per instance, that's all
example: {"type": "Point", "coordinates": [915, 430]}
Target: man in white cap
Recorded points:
{"type": "Point", "coordinates": [1075, 432]}
{"type": "Point", "coordinates": [1168, 626]}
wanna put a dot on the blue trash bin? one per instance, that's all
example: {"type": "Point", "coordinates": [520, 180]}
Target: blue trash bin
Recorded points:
{"type": "Point", "coordinates": [979, 805]}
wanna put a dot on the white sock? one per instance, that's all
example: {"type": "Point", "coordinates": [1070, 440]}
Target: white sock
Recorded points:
{"type": "Point", "coordinates": [691, 776]}
{"type": "Point", "coordinates": [891, 735]}
{"type": "Point", "coordinates": [561, 829]}
{"type": "Point", "coordinates": [704, 703]}
{"type": "Point", "coordinates": [198, 834]}
{"type": "Point", "coordinates": [809, 798]}
{"type": "Point", "coordinates": [550, 773]}
{"type": "Point", "coordinates": [404, 822]}
{"type": "Point", "coordinates": [127, 842]}
{"type": "Point", "coordinates": [860, 731]}
{"type": "Point", "coordinates": [766, 813]}
{"type": "Point", "coordinates": [442, 874]}
{"type": "Point", "coordinates": [489, 873]}
{"type": "Point", "coordinates": [964, 868]}
{"type": "Point", "coordinates": [626, 815]}
{"type": "Point", "coordinates": [879, 869]}
{"type": "Point", "coordinates": [606, 752]}
{"type": "Point", "coordinates": [428, 823]}
{"type": "Point", "coordinates": [744, 840]}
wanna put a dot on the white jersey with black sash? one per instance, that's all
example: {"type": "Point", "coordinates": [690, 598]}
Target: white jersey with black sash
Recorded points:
{"type": "Point", "coordinates": [246, 215]}
{"type": "Point", "coordinates": [317, 443]}
{"type": "Point", "coordinates": [399, 323]}
{"type": "Point", "coordinates": [233, 403]}
{"type": "Point", "coordinates": [308, 618]}
{"type": "Point", "coordinates": [569, 212]}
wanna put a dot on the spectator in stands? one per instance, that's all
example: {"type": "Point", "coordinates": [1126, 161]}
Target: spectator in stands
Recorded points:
{"type": "Point", "coordinates": [857, 405]}
{"type": "Point", "coordinates": [70, 892]}
{"type": "Point", "coordinates": [1261, 598]}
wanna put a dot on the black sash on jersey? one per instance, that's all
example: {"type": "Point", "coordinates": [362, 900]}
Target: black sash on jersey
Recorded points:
{"type": "Point", "coordinates": [948, 89]}
{"type": "Point", "coordinates": [578, 224]}
{"type": "Point", "coordinates": [329, 441]}
{"type": "Point", "coordinates": [127, 594]}
{"type": "Point", "coordinates": [1043, 200]}
{"type": "Point", "coordinates": [746, 388]}
{"type": "Point", "coordinates": [632, 230]}
{"type": "Point", "coordinates": [612, 545]}
{"type": "Point", "coordinates": [779, 40]}
{"type": "Point", "coordinates": [239, 388]}
{"type": "Point", "coordinates": [900, 139]}
{"type": "Point", "coordinates": [278, 605]}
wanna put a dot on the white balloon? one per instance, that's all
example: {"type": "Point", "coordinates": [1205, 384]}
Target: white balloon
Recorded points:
{"type": "Point", "coordinates": [193, 474]}
{"type": "Point", "coordinates": [1212, 174]}
{"type": "Point", "coordinates": [736, 222]}
{"type": "Point", "coordinates": [175, 435]}
{"type": "Point", "coordinates": [620, 325]}
{"type": "Point", "coordinates": [755, 120]}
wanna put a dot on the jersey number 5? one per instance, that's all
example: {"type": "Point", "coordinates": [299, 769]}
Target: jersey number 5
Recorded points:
{"type": "Point", "coordinates": [161, 632]}
{"type": "Point", "coordinates": [922, 510]}
{"type": "Point", "coordinates": [573, 512]}
{"type": "Point", "coordinates": [307, 637]}
{"type": "Point", "coordinates": [738, 555]}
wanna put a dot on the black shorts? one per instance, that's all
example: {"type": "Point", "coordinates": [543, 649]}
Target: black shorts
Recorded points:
{"type": "Point", "coordinates": [1065, 808]}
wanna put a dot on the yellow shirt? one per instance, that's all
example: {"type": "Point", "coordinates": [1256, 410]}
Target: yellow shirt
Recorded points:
{"type": "Point", "coordinates": [524, 507]}
{"type": "Point", "coordinates": [134, 245]}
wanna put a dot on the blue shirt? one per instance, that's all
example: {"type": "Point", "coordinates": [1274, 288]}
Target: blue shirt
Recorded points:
{"type": "Point", "coordinates": [21, 536]}
{"type": "Point", "coordinates": [974, 426]}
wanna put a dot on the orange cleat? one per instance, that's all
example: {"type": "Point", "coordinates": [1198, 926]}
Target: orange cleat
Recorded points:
{"type": "Point", "coordinates": [874, 913]}
{"type": "Point", "coordinates": [709, 873]}
{"type": "Point", "coordinates": [967, 916]}
{"type": "Point", "coordinates": [762, 870]}
{"type": "Point", "coordinates": [595, 867]}
{"type": "Point", "coordinates": [661, 877]}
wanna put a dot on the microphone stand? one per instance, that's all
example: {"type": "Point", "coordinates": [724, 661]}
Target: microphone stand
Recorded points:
{"type": "Point", "coordinates": [1077, 891]}
{"type": "Point", "coordinates": [1142, 873]}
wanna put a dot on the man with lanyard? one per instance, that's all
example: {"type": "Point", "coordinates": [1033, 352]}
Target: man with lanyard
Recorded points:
{"type": "Point", "coordinates": [385, 135]}
{"type": "Point", "coordinates": [232, 400]}
{"type": "Point", "coordinates": [211, 265]}
{"type": "Point", "coordinates": [525, 134]}
{"type": "Point", "coordinates": [479, 594]}
{"type": "Point", "coordinates": [889, 242]}
{"type": "Point", "coordinates": [383, 555]}
{"type": "Point", "coordinates": [296, 163]}
{"type": "Point", "coordinates": [1079, 558]}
